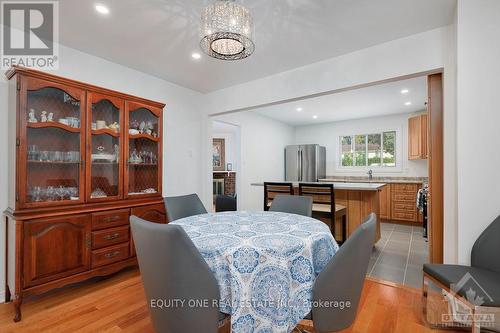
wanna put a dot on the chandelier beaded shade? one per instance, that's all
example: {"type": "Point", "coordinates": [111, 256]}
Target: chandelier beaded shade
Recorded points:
{"type": "Point", "coordinates": [226, 30]}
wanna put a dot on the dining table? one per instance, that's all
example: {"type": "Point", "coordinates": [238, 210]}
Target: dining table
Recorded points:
{"type": "Point", "coordinates": [265, 264]}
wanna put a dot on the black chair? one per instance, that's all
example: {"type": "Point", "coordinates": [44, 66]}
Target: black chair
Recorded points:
{"type": "Point", "coordinates": [292, 204]}
{"type": "Point", "coordinates": [342, 280]}
{"type": "Point", "coordinates": [272, 189]}
{"type": "Point", "coordinates": [172, 269]}
{"type": "Point", "coordinates": [183, 206]}
{"type": "Point", "coordinates": [482, 277]}
{"type": "Point", "coordinates": [324, 205]}
{"type": "Point", "coordinates": [225, 203]}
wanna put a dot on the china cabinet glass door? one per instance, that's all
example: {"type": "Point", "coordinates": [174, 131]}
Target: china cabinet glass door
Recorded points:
{"type": "Point", "coordinates": [51, 144]}
{"type": "Point", "coordinates": [104, 147]}
{"type": "Point", "coordinates": [142, 176]}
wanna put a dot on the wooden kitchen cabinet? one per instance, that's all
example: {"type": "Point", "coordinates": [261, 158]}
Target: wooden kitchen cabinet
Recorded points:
{"type": "Point", "coordinates": [417, 137]}
{"type": "Point", "coordinates": [385, 202]}
{"type": "Point", "coordinates": [55, 248]}
{"type": "Point", "coordinates": [398, 202]}
{"type": "Point", "coordinates": [403, 202]}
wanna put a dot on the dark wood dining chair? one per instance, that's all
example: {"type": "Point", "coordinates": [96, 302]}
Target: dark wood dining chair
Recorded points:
{"type": "Point", "coordinates": [324, 205]}
{"type": "Point", "coordinates": [292, 204]}
{"type": "Point", "coordinates": [171, 269]}
{"type": "Point", "coordinates": [272, 189]}
{"type": "Point", "coordinates": [183, 206]}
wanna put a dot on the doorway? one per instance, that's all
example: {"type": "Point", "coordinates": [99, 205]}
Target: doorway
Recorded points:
{"type": "Point", "coordinates": [225, 158]}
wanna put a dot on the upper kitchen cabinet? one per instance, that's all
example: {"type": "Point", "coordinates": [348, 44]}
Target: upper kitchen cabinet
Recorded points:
{"type": "Point", "coordinates": [417, 137]}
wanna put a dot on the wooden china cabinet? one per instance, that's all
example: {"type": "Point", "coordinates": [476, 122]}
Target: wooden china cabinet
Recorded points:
{"type": "Point", "coordinates": [82, 160]}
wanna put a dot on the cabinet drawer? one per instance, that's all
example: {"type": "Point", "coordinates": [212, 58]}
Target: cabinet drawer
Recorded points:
{"type": "Point", "coordinates": [108, 237]}
{"type": "Point", "coordinates": [404, 206]}
{"type": "Point", "coordinates": [404, 216]}
{"type": "Point", "coordinates": [405, 197]}
{"type": "Point", "coordinates": [110, 254]}
{"type": "Point", "coordinates": [109, 219]}
{"type": "Point", "coordinates": [404, 187]}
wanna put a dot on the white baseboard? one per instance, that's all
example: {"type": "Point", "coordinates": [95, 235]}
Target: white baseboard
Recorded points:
{"type": "Point", "coordinates": [2, 297]}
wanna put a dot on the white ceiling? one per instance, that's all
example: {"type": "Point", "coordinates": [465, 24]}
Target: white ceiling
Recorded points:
{"type": "Point", "coordinates": [158, 36]}
{"type": "Point", "coordinates": [380, 100]}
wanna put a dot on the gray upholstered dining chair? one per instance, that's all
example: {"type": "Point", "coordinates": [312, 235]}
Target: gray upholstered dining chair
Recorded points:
{"type": "Point", "coordinates": [183, 206]}
{"type": "Point", "coordinates": [172, 269]}
{"type": "Point", "coordinates": [292, 204]}
{"type": "Point", "coordinates": [482, 277]}
{"type": "Point", "coordinates": [347, 270]}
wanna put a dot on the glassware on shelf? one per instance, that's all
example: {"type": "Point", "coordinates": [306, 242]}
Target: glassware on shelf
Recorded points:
{"type": "Point", "coordinates": [143, 157]}
{"type": "Point", "coordinates": [32, 153]}
{"type": "Point", "coordinates": [44, 156]}
{"type": "Point", "coordinates": [52, 193]}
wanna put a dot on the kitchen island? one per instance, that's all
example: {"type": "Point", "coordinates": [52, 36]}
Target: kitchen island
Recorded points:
{"type": "Point", "coordinates": [361, 199]}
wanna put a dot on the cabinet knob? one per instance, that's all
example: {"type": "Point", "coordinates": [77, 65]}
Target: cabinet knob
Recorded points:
{"type": "Point", "coordinates": [113, 236]}
{"type": "Point", "coordinates": [112, 254]}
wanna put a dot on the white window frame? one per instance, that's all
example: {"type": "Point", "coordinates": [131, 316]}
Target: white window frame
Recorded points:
{"type": "Point", "coordinates": [382, 168]}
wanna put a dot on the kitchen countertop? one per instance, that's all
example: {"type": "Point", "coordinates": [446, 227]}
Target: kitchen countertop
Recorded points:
{"type": "Point", "coordinates": [354, 186]}
{"type": "Point", "coordinates": [364, 179]}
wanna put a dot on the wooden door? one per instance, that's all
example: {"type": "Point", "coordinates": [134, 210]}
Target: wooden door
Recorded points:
{"type": "Point", "coordinates": [55, 248]}
{"type": "Point", "coordinates": [385, 202]}
{"type": "Point", "coordinates": [435, 148]}
{"type": "Point", "coordinates": [414, 138]}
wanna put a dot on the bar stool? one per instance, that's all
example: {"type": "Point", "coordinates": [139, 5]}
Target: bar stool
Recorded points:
{"type": "Point", "coordinates": [324, 204]}
{"type": "Point", "coordinates": [272, 189]}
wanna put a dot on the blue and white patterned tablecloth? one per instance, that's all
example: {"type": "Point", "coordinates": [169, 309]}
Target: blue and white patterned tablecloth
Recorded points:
{"type": "Point", "coordinates": [265, 263]}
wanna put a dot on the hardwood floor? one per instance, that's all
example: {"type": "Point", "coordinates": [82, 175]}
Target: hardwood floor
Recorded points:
{"type": "Point", "coordinates": [117, 304]}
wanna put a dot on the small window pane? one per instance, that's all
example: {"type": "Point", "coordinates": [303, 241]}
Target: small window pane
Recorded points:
{"type": "Point", "coordinates": [374, 149]}
{"type": "Point", "coordinates": [360, 150]}
{"type": "Point", "coordinates": [346, 151]}
{"type": "Point", "coordinates": [389, 149]}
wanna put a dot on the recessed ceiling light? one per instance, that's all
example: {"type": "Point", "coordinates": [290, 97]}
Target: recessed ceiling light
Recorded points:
{"type": "Point", "coordinates": [298, 109]}
{"type": "Point", "coordinates": [405, 91]}
{"type": "Point", "coordinates": [101, 9]}
{"type": "Point", "coordinates": [315, 117]}
{"type": "Point", "coordinates": [408, 103]}
{"type": "Point", "coordinates": [196, 55]}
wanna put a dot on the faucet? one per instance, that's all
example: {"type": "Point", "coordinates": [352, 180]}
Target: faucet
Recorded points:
{"type": "Point", "coordinates": [370, 174]}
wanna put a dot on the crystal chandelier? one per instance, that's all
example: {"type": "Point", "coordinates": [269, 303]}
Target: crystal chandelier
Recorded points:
{"type": "Point", "coordinates": [226, 30]}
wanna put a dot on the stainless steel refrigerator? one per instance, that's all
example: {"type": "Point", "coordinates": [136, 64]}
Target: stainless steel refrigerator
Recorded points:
{"type": "Point", "coordinates": [305, 163]}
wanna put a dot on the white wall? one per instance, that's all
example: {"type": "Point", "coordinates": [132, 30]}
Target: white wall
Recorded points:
{"type": "Point", "coordinates": [182, 123]}
{"type": "Point", "coordinates": [478, 119]}
{"type": "Point", "coordinates": [263, 142]}
{"type": "Point", "coordinates": [328, 135]}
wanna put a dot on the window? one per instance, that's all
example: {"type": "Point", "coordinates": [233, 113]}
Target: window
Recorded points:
{"type": "Point", "coordinates": [368, 150]}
